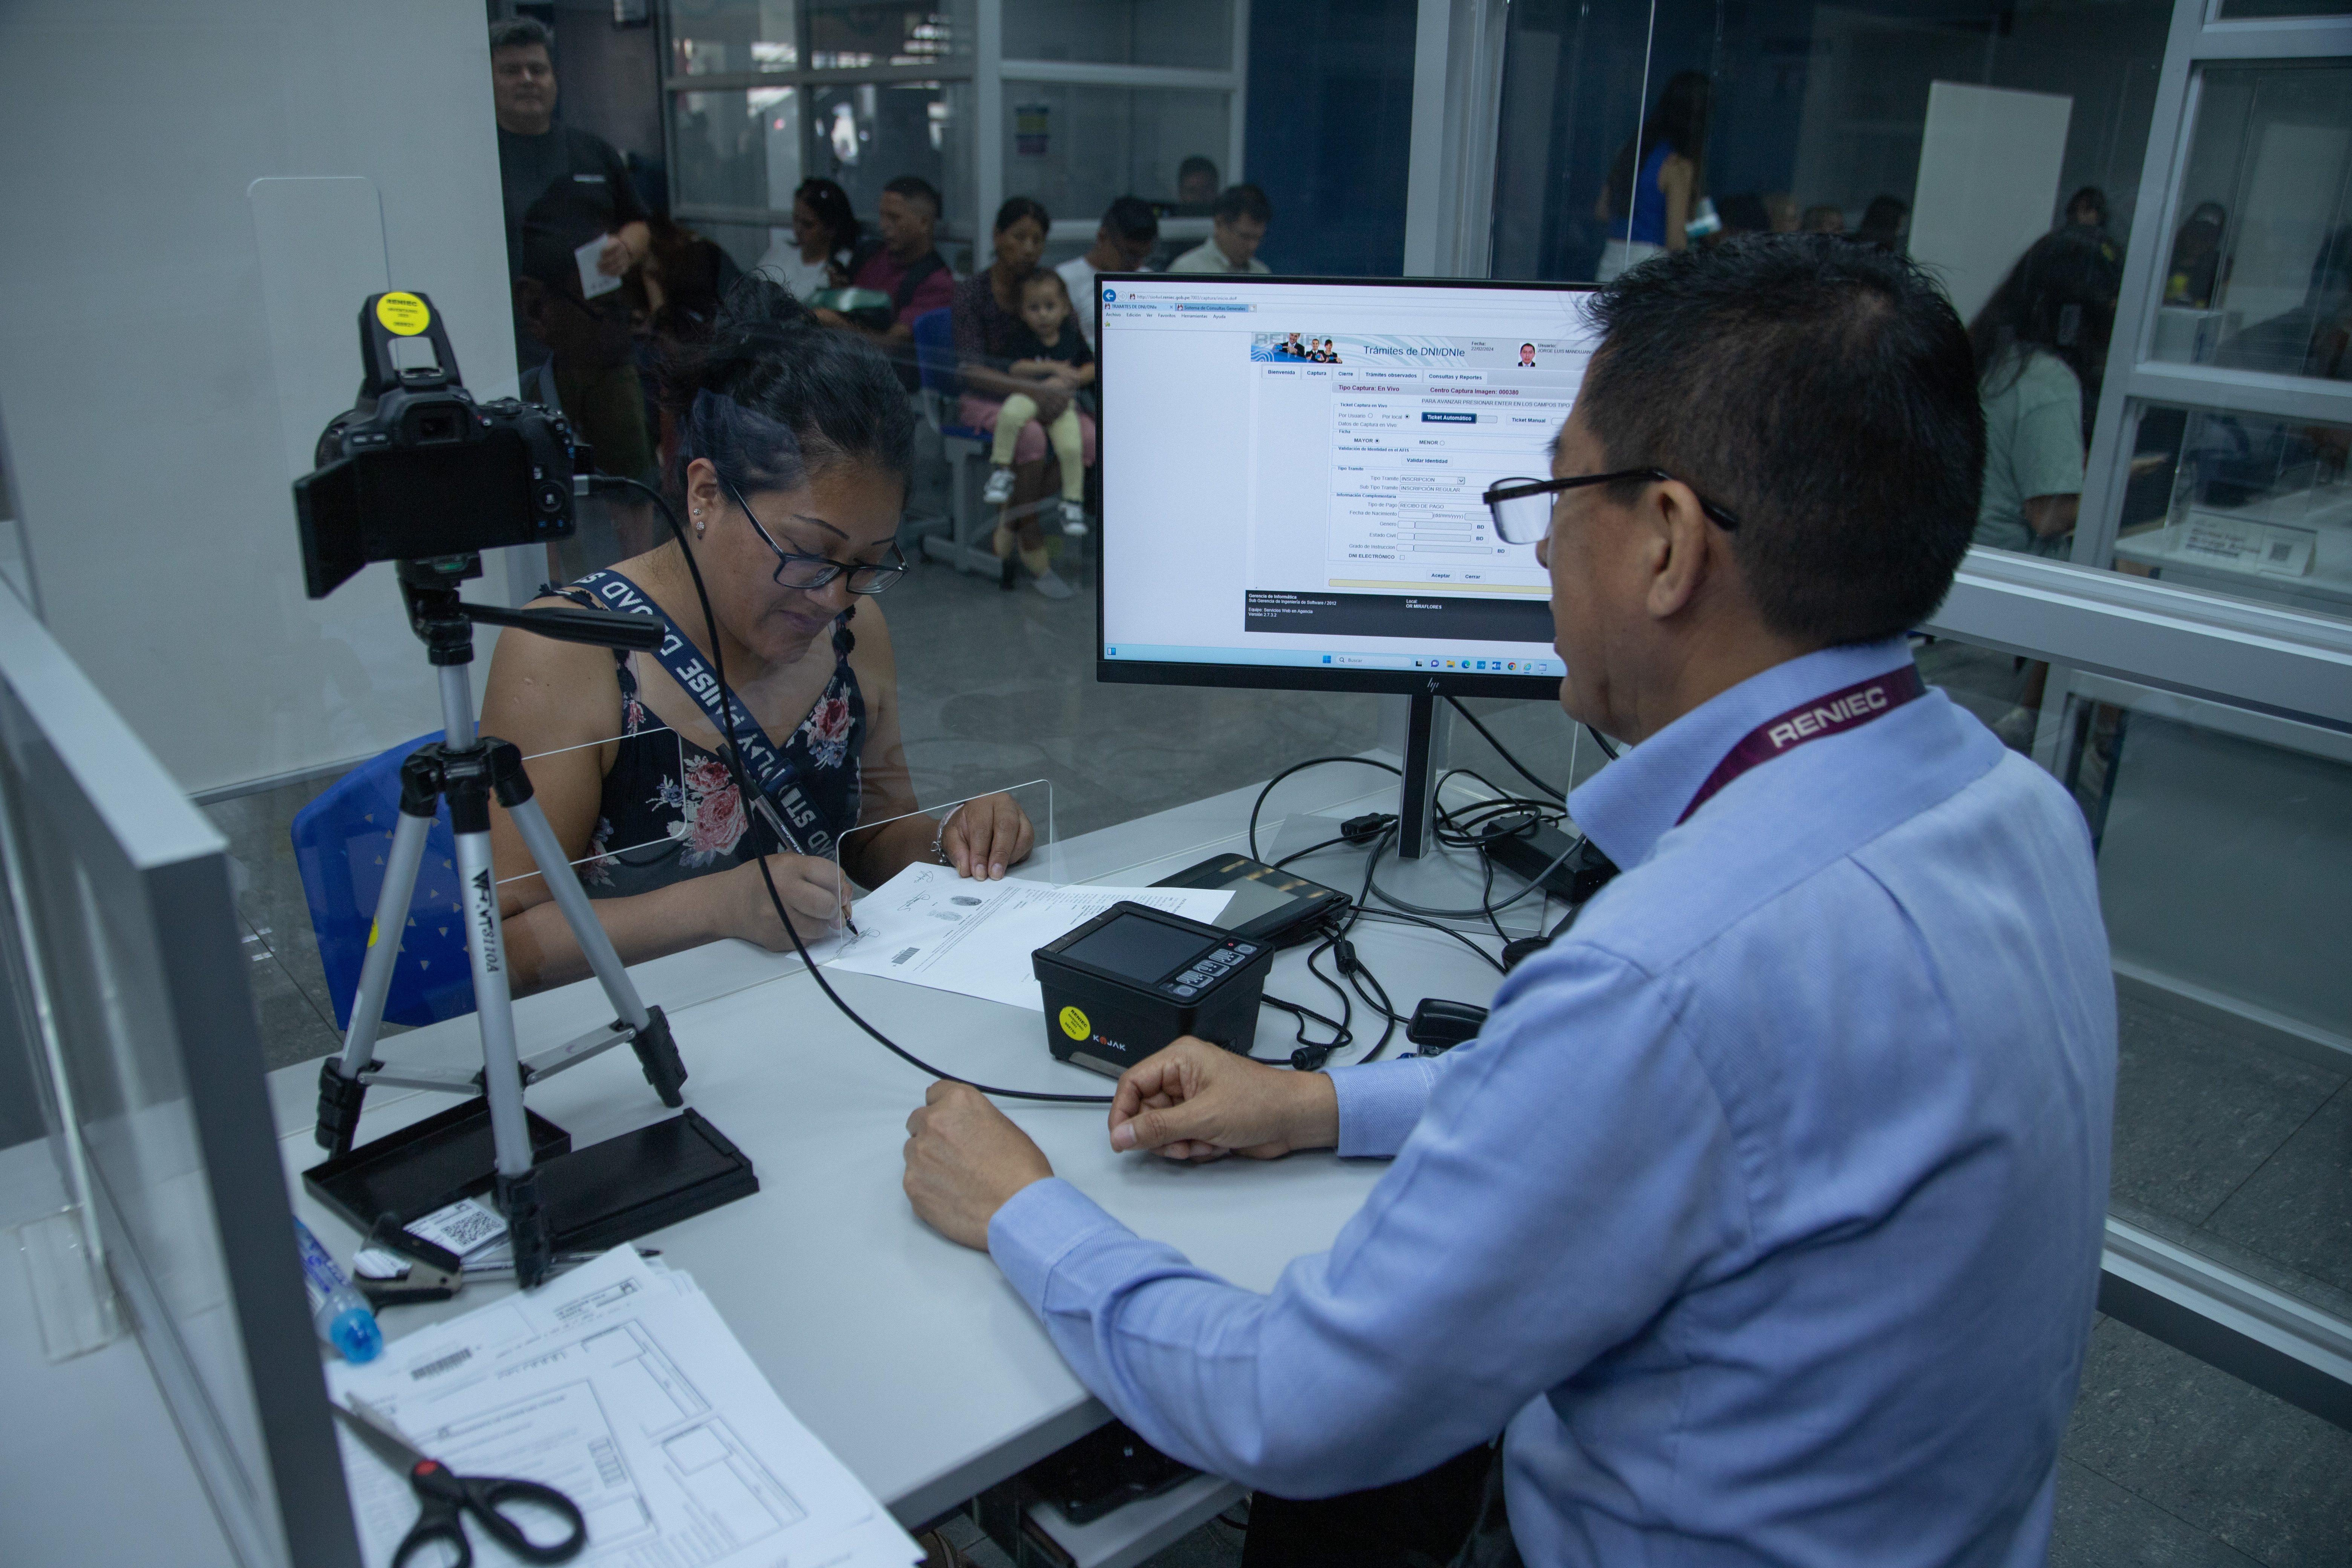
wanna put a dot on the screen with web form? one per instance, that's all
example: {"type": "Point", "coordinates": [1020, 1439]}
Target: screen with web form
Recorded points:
{"type": "Point", "coordinates": [1292, 473]}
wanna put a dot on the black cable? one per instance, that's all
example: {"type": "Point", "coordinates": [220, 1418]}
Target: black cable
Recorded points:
{"type": "Point", "coordinates": [1401, 918]}
{"type": "Point", "coordinates": [744, 789]}
{"type": "Point", "coordinates": [1516, 766]}
{"type": "Point", "coordinates": [1601, 740]}
{"type": "Point", "coordinates": [1259, 805]}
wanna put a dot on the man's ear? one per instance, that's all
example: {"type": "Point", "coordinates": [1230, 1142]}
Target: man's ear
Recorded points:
{"type": "Point", "coordinates": [1681, 545]}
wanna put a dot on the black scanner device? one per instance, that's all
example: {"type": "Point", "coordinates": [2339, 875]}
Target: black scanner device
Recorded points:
{"type": "Point", "coordinates": [1130, 981]}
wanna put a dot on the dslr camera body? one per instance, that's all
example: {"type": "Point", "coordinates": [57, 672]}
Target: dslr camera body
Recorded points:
{"type": "Point", "coordinates": [417, 469]}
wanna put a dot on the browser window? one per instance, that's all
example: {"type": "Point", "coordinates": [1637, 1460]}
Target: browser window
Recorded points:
{"type": "Point", "coordinates": [1292, 470]}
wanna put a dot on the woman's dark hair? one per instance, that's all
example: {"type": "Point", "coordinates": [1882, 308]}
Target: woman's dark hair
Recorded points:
{"type": "Point", "coordinates": [1015, 209]}
{"type": "Point", "coordinates": [2059, 300]}
{"type": "Point", "coordinates": [1822, 392]}
{"type": "Point", "coordinates": [1679, 121]}
{"type": "Point", "coordinates": [830, 203]}
{"type": "Point", "coordinates": [773, 397]}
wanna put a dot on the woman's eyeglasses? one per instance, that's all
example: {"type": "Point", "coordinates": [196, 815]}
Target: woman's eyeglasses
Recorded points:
{"type": "Point", "coordinates": [813, 571]}
{"type": "Point", "coordinates": [1523, 508]}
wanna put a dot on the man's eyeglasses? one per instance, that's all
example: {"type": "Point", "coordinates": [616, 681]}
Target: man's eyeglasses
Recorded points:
{"type": "Point", "coordinates": [1522, 508]}
{"type": "Point", "coordinates": [813, 571]}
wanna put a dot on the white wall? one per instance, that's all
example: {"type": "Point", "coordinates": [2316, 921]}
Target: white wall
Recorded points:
{"type": "Point", "coordinates": [137, 381]}
{"type": "Point", "coordinates": [1988, 167]}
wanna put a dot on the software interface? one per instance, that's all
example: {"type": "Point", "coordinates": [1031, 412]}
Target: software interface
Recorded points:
{"type": "Point", "coordinates": [1292, 471]}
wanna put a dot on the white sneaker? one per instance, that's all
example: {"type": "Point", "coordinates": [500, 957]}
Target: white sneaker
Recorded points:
{"type": "Point", "coordinates": [1073, 519]}
{"type": "Point", "coordinates": [1052, 587]}
{"type": "Point", "coordinates": [1000, 487]}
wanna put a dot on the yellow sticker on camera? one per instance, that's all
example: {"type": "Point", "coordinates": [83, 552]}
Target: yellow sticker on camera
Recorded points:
{"type": "Point", "coordinates": [404, 313]}
{"type": "Point", "coordinates": [1076, 1023]}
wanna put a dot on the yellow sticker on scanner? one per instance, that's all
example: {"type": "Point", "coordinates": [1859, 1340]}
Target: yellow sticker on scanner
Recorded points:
{"type": "Point", "coordinates": [1075, 1023]}
{"type": "Point", "coordinates": [404, 313]}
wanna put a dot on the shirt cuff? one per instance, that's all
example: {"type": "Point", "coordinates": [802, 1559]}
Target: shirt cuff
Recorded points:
{"type": "Point", "coordinates": [1040, 1225]}
{"type": "Point", "coordinates": [1379, 1104]}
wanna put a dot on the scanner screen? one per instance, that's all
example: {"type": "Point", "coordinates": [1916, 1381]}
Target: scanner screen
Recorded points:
{"type": "Point", "coordinates": [1137, 948]}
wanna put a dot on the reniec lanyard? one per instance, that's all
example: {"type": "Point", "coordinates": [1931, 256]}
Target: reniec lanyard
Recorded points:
{"type": "Point", "coordinates": [1849, 708]}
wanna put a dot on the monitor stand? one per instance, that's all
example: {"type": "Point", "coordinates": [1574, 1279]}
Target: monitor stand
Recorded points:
{"type": "Point", "coordinates": [1428, 729]}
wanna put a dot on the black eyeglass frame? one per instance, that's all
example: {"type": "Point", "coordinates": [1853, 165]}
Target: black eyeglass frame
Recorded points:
{"type": "Point", "coordinates": [1520, 489]}
{"type": "Point", "coordinates": [891, 568]}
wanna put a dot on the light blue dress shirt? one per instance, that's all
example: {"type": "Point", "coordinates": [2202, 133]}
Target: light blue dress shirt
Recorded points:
{"type": "Point", "coordinates": [1766, 1212]}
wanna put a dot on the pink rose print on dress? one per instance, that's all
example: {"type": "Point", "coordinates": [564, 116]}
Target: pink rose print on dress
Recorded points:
{"type": "Point", "coordinates": [825, 731]}
{"type": "Point", "coordinates": [713, 819]}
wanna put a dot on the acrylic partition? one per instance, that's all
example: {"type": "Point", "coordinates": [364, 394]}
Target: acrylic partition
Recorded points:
{"type": "Point", "coordinates": [122, 971]}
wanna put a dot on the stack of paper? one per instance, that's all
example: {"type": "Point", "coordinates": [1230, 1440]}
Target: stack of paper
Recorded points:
{"type": "Point", "coordinates": [619, 1384]}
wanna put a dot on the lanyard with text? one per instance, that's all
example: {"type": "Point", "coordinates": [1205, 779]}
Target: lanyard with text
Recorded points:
{"type": "Point", "coordinates": [1849, 708]}
{"type": "Point", "coordinates": [779, 796]}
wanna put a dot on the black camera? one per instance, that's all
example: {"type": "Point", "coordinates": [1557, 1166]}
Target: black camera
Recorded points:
{"type": "Point", "coordinates": [418, 469]}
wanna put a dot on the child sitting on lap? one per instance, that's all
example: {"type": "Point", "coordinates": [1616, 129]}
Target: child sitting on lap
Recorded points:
{"type": "Point", "coordinates": [1051, 350]}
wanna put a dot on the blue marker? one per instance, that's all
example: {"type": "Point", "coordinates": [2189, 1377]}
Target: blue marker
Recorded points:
{"type": "Point", "coordinates": [338, 1310]}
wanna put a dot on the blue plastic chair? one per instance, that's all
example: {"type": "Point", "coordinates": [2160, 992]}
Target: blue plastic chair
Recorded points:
{"type": "Point", "coordinates": [341, 841]}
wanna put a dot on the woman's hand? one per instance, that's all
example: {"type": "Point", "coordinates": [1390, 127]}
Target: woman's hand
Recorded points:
{"type": "Point", "coordinates": [829, 318]}
{"type": "Point", "coordinates": [985, 836]}
{"type": "Point", "coordinates": [1050, 397]}
{"type": "Point", "coordinates": [815, 892]}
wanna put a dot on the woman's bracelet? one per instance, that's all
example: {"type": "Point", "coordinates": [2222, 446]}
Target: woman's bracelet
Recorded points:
{"type": "Point", "coordinates": [937, 853]}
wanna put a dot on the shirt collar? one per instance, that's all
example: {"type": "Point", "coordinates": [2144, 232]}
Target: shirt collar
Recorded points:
{"type": "Point", "coordinates": [1627, 807]}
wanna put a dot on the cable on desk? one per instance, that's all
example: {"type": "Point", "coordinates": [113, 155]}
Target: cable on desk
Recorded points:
{"type": "Point", "coordinates": [1516, 766]}
{"type": "Point", "coordinates": [731, 755]}
{"type": "Point", "coordinates": [1259, 805]}
{"type": "Point", "coordinates": [1400, 918]}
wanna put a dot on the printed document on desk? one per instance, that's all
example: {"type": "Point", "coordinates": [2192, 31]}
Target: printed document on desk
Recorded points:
{"type": "Point", "coordinates": [620, 1385]}
{"type": "Point", "coordinates": [934, 928]}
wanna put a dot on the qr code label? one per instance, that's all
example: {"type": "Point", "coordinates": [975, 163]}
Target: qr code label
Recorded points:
{"type": "Point", "coordinates": [464, 1227]}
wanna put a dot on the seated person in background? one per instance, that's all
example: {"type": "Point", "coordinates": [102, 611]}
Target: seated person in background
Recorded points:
{"type": "Point", "coordinates": [988, 328]}
{"type": "Point", "coordinates": [1123, 242]}
{"type": "Point", "coordinates": [1196, 187]}
{"type": "Point", "coordinates": [1823, 220]}
{"type": "Point", "coordinates": [1048, 349]}
{"type": "Point", "coordinates": [2041, 343]}
{"type": "Point", "coordinates": [907, 266]}
{"type": "Point", "coordinates": [793, 446]}
{"type": "Point", "coordinates": [1240, 218]}
{"type": "Point", "coordinates": [1764, 1216]}
{"type": "Point", "coordinates": [815, 256]}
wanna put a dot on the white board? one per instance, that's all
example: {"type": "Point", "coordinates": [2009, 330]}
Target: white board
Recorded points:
{"type": "Point", "coordinates": [1988, 187]}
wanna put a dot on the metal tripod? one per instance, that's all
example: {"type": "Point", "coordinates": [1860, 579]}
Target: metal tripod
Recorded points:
{"type": "Point", "coordinates": [468, 768]}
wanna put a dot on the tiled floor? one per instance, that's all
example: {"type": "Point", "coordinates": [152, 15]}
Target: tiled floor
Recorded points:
{"type": "Point", "coordinates": [2222, 1143]}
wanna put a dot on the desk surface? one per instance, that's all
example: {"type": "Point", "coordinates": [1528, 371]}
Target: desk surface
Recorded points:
{"type": "Point", "coordinates": [908, 1354]}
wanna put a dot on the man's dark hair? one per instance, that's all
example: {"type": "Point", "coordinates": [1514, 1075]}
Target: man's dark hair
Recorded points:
{"type": "Point", "coordinates": [1824, 392]}
{"type": "Point", "coordinates": [521, 33]}
{"type": "Point", "coordinates": [1195, 164]}
{"type": "Point", "coordinates": [913, 187]}
{"type": "Point", "coordinates": [1131, 217]}
{"type": "Point", "coordinates": [1243, 201]}
{"type": "Point", "coordinates": [1045, 275]}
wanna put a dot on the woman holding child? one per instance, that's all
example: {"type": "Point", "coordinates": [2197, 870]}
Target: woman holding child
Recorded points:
{"type": "Point", "coordinates": [1023, 362]}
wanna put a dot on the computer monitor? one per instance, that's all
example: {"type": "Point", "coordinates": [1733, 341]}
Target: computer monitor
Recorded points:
{"type": "Point", "coordinates": [1291, 474]}
{"type": "Point", "coordinates": [1292, 470]}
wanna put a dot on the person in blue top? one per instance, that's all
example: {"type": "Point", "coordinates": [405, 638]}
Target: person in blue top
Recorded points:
{"type": "Point", "coordinates": [1763, 1218]}
{"type": "Point", "coordinates": [1654, 181]}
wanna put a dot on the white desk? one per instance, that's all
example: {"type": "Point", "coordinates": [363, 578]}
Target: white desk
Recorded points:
{"type": "Point", "coordinates": [908, 1354]}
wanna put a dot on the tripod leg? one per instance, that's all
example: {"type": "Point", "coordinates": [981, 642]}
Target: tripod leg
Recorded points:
{"type": "Point", "coordinates": [340, 1090]}
{"type": "Point", "coordinates": [656, 1053]}
{"type": "Point", "coordinates": [527, 1221]}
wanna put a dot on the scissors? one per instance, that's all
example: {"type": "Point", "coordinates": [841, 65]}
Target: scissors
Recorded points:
{"type": "Point", "coordinates": [445, 1498]}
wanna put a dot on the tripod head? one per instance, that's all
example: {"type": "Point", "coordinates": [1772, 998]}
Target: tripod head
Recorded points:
{"type": "Point", "coordinates": [445, 623]}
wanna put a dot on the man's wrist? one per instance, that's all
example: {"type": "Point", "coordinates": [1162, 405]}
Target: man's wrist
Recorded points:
{"type": "Point", "coordinates": [1315, 1114]}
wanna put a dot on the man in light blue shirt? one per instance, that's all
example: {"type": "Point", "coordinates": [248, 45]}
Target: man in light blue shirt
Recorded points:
{"type": "Point", "coordinates": [1765, 1214]}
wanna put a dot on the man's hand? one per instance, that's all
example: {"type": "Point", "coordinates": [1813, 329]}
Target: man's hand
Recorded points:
{"type": "Point", "coordinates": [964, 1159]}
{"type": "Point", "coordinates": [1199, 1101]}
{"type": "Point", "coordinates": [615, 259]}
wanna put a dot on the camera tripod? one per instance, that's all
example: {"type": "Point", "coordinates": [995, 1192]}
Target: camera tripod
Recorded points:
{"type": "Point", "coordinates": [468, 768]}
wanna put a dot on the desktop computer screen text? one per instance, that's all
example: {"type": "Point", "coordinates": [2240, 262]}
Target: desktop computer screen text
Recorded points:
{"type": "Point", "coordinates": [1292, 471]}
